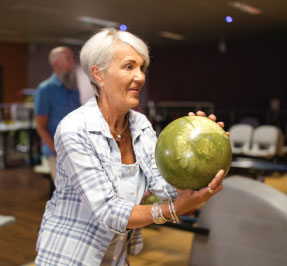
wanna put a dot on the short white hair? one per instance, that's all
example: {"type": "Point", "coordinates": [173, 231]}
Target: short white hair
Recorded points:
{"type": "Point", "coordinates": [98, 50]}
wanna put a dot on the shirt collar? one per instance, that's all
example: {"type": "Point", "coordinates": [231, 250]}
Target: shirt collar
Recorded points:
{"type": "Point", "coordinates": [56, 80]}
{"type": "Point", "coordinates": [95, 121]}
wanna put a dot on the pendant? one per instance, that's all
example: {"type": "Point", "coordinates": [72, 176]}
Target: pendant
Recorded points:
{"type": "Point", "coordinates": [118, 138]}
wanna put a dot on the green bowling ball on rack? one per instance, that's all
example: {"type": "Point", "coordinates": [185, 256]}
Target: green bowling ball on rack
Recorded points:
{"type": "Point", "coordinates": [191, 150]}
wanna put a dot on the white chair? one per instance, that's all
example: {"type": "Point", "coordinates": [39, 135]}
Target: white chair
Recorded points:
{"type": "Point", "coordinates": [267, 142]}
{"type": "Point", "coordinates": [248, 224]}
{"type": "Point", "coordinates": [240, 138]}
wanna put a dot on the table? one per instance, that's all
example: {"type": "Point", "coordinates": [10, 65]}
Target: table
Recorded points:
{"type": "Point", "coordinates": [6, 129]}
{"type": "Point", "coordinates": [256, 167]}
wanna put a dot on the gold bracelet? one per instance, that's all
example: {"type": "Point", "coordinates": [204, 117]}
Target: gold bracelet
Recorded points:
{"type": "Point", "coordinates": [174, 217]}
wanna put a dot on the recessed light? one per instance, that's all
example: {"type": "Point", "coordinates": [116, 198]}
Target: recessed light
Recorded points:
{"type": "Point", "coordinates": [98, 21]}
{"type": "Point", "coordinates": [228, 19]}
{"type": "Point", "coordinates": [171, 35]}
{"type": "Point", "coordinates": [123, 27]}
{"type": "Point", "coordinates": [72, 41]}
{"type": "Point", "coordinates": [246, 8]}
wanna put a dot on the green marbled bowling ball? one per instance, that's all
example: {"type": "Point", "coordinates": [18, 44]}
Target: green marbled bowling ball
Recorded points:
{"type": "Point", "coordinates": [191, 150]}
{"type": "Point", "coordinates": [151, 199]}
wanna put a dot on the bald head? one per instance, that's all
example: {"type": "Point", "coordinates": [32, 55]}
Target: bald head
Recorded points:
{"type": "Point", "coordinates": [63, 63]}
{"type": "Point", "coordinates": [62, 59]}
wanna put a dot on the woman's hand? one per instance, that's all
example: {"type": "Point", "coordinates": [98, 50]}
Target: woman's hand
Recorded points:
{"type": "Point", "coordinates": [188, 199]}
{"type": "Point", "coordinates": [211, 117]}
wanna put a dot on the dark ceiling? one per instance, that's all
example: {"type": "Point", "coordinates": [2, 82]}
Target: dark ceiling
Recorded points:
{"type": "Point", "coordinates": [198, 21]}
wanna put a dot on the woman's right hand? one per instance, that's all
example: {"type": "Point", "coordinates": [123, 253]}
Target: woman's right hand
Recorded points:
{"type": "Point", "coordinates": [189, 199]}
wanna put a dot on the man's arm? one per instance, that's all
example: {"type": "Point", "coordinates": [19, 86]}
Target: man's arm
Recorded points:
{"type": "Point", "coordinates": [42, 130]}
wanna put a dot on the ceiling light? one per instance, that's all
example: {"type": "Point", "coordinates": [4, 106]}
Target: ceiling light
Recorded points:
{"type": "Point", "coordinates": [246, 8]}
{"type": "Point", "coordinates": [98, 21]}
{"type": "Point", "coordinates": [228, 19]}
{"type": "Point", "coordinates": [72, 41]}
{"type": "Point", "coordinates": [170, 35]}
{"type": "Point", "coordinates": [123, 27]}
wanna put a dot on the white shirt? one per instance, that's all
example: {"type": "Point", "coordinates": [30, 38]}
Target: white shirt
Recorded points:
{"type": "Point", "coordinates": [132, 188]}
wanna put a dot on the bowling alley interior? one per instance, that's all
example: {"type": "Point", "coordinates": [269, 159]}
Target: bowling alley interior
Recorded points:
{"type": "Point", "coordinates": [221, 57]}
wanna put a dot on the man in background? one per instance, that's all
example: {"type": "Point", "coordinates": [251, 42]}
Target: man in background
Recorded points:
{"type": "Point", "coordinates": [55, 98]}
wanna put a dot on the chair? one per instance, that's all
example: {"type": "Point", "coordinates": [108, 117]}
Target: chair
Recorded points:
{"type": "Point", "coordinates": [240, 138]}
{"type": "Point", "coordinates": [247, 223]}
{"type": "Point", "coordinates": [267, 142]}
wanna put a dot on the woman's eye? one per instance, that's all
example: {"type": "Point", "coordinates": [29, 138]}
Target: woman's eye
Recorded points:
{"type": "Point", "coordinates": [143, 69]}
{"type": "Point", "coordinates": [129, 66]}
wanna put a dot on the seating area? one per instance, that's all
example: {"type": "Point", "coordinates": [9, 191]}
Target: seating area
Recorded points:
{"type": "Point", "coordinates": [263, 141]}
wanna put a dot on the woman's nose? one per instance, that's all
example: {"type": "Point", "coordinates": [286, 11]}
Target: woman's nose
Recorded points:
{"type": "Point", "coordinates": [139, 76]}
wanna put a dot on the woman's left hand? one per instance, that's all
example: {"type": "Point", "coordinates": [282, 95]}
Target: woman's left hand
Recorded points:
{"type": "Point", "coordinates": [211, 117]}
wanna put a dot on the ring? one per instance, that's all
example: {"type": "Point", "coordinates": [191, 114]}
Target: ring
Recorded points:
{"type": "Point", "coordinates": [211, 191]}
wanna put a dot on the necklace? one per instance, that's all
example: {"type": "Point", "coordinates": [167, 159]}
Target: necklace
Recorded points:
{"type": "Point", "coordinates": [118, 134]}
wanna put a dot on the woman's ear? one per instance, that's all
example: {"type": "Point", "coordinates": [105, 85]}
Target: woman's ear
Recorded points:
{"type": "Point", "coordinates": [97, 74]}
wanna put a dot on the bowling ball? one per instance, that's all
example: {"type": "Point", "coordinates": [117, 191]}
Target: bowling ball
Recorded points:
{"type": "Point", "coordinates": [191, 150]}
{"type": "Point", "coordinates": [151, 199]}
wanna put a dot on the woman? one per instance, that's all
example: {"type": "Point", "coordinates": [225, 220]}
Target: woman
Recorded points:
{"type": "Point", "coordinates": [105, 164]}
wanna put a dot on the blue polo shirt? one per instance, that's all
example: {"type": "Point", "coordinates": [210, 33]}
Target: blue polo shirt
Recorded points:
{"type": "Point", "coordinates": [53, 100]}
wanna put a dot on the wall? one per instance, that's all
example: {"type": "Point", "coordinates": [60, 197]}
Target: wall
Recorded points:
{"type": "Point", "coordinates": [13, 61]}
{"type": "Point", "coordinates": [248, 75]}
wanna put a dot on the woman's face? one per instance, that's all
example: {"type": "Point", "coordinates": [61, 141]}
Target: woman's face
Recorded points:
{"type": "Point", "coordinates": [124, 79]}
